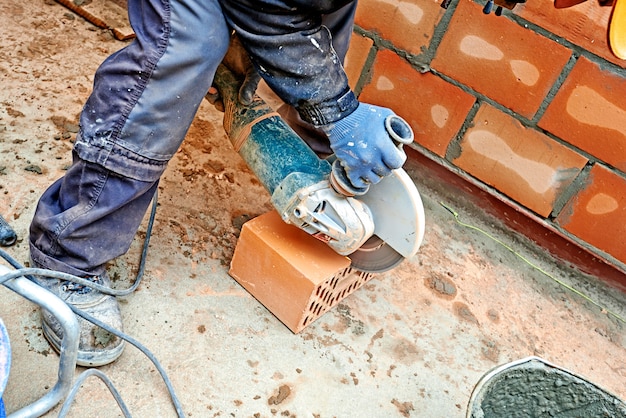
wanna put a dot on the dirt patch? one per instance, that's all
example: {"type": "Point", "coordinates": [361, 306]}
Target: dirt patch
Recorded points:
{"type": "Point", "coordinates": [405, 408]}
{"type": "Point", "coordinates": [463, 311]}
{"type": "Point", "coordinates": [283, 393]}
{"type": "Point", "coordinates": [441, 286]}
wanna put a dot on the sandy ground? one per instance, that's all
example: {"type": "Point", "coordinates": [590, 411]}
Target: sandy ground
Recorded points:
{"type": "Point", "coordinates": [412, 342]}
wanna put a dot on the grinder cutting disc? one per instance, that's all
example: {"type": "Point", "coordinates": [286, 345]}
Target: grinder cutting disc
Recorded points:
{"type": "Point", "coordinates": [375, 256]}
{"type": "Point", "coordinates": [398, 215]}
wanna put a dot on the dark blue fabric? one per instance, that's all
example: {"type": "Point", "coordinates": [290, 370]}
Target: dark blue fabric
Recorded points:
{"type": "Point", "coordinates": [146, 95]}
{"type": "Point", "coordinates": [294, 53]}
{"type": "Point", "coordinates": [87, 218]}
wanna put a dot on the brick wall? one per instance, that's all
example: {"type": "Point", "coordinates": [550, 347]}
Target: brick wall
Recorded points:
{"type": "Point", "coordinates": [529, 106]}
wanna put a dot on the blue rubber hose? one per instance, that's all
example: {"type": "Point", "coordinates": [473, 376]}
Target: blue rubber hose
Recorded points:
{"type": "Point", "coordinates": [5, 364]}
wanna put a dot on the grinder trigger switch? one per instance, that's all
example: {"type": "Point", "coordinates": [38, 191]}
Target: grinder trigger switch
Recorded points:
{"type": "Point", "coordinates": [399, 132]}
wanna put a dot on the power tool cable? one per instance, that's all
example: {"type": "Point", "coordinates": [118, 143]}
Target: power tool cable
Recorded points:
{"type": "Point", "coordinates": [21, 271]}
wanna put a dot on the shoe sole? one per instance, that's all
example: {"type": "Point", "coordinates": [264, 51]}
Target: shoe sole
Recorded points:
{"type": "Point", "coordinates": [85, 358]}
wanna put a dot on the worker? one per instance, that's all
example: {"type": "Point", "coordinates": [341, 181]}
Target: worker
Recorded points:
{"type": "Point", "coordinates": [144, 98]}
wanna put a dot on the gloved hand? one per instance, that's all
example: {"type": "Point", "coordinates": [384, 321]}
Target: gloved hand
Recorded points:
{"type": "Point", "coordinates": [238, 61]}
{"type": "Point", "coordinates": [363, 146]}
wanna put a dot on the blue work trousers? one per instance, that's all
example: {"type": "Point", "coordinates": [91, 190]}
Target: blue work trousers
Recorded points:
{"type": "Point", "coordinates": [144, 98]}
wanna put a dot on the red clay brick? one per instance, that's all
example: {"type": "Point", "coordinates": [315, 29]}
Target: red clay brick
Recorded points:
{"type": "Point", "coordinates": [355, 59]}
{"type": "Point", "coordinates": [520, 162]}
{"type": "Point", "coordinates": [295, 276]}
{"type": "Point", "coordinates": [434, 108]}
{"type": "Point", "coordinates": [495, 56]}
{"type": "Point", "coordinates": [585, 24]}
{"type": "Point", "coordinates": [408, 24]}
{"type": "Point", "coordinates": [589, 111]}
{"type": "Point", "coordinates": [597, 214]}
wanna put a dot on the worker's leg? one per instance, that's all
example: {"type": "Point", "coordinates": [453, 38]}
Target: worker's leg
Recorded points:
{"type": "Point", "coordinates": [87, 218]}
{"type": "Point", "coordinates": [144, 99]}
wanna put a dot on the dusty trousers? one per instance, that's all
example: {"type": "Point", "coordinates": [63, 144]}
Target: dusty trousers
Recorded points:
{"type": "Point", "coordinates": [144, 99]}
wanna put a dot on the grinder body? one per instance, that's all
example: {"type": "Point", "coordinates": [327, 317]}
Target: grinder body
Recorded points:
{"type": "Point", "coordinates": [292, 173]}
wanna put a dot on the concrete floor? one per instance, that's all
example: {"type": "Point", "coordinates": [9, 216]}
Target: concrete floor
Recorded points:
{"type": "Point", "coordinates": [413, 342]}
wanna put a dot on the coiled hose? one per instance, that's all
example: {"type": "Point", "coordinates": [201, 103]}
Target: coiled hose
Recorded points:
{"type": "Point", "coordinates": [29, 272]}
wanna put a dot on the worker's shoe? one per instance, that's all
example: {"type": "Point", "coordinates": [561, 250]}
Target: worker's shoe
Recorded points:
{"type": "Point", "coordinates": [97, 346]}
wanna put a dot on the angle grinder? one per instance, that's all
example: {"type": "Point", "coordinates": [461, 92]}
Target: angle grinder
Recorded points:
{"type": "Point", "coordinates": [376, 227]}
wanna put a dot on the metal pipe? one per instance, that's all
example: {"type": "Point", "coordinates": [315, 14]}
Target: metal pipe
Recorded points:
{"type": "Point", "coordinates": [69, 344]}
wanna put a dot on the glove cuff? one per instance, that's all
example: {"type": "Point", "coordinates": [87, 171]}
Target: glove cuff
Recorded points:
{"type": "Point", "coordinates": [329, 111]}
{"type": "Point", "coordinates": [343, 128]}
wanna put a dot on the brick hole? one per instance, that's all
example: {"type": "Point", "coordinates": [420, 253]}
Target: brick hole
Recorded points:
{"type": "Point", "coordinates": [318, 309]}
{"type": "Point", "coordinates": [333, 299]}
{"type": "Point", "coordinates": [328, 297]}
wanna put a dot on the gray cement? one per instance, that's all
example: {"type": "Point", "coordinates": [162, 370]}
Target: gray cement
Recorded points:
{"type": "Point", "coordinates": [531, 387]}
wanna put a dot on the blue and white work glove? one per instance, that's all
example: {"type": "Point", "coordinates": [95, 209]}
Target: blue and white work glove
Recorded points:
{"type": "Point", "coordinates": [363, 145]}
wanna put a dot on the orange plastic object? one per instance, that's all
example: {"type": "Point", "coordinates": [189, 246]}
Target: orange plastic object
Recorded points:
{"type": "Point", "coordinates": [617, 29]}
